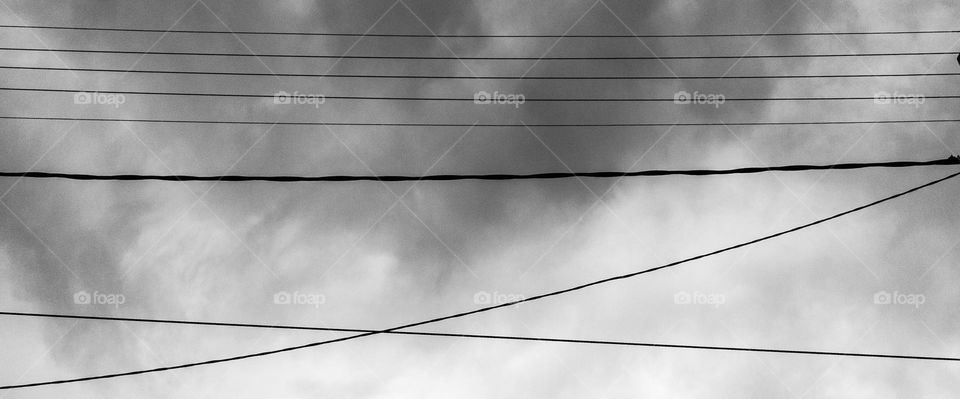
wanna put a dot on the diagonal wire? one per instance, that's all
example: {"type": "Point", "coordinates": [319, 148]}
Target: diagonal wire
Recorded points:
{"type": "Point", "coordinates": [479, 336]}
{"type": "Point", "coordinates": [493, 307]}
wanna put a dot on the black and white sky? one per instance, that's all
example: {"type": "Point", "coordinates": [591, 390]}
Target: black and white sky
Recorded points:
{"type": "Point", "coordinates": [375, 255]}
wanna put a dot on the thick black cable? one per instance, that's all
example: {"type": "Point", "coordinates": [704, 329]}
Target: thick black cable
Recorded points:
{"type": "Point", "coordinates": [492, 176]}
{"type": "Point", "coordinates": [478, 77]}
{"type": "Point", "coordinates": [481, 336]}
{"type": "Point", "coordinates": [478, 58]}
{"type": "Point", "coordinates": [459, 99]}
{"type": "Point", "coordinates": [488, 308]}
{"type": "Point", "coordinates": [415, 35]}
{"type": "Point", "coordinates": [496, 125]}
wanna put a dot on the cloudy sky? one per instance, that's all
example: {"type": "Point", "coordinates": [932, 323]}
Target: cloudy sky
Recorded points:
{"type": "Point", "coordinates": [372, 255]}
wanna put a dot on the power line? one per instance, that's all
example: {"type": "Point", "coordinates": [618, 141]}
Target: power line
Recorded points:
{"type": "Point", "coordinates": [459, 99]}
{"type": "Point", "coordinates": [483, 336]}
{"type": "Point", "coordinates": [492, 125]}
{"type": "Point", "coordinates": [413, 35]}
{"type": "Point", "coordinates": [482, 77]}
{"type": "Point", "coordinates": [487, 308]}
{"type": "Point", "coordinates": [481, 58]}
{"type": "Point", "coordinates": [493, 176]}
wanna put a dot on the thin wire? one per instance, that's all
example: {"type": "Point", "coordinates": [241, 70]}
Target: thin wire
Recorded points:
{"type": "Point", "coordinates": [492, 125]}
{"type": "Point", "coordinates": [486, 77]}
{"type": "Point", "coordinates": [482, 58]}
{"type": "Point", "coordinates": [410, 35]}
{"type": "Point", "coordinates": [461, 99]}
{"type": "Point", "coordinates": [493, 176]}
{"type": "Point", "coordinates": [488, 308]}
{"type": "Point", "coordinates": [482, 336]}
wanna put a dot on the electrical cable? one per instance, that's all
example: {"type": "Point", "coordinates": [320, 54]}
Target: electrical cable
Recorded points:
{"type": "Point", "coordinates": [481, 336]}
{"type": "Point", "coordinates": [480, 77]}
{"type": "Point", "coordinates": [492, 176]}
{"type": "Point", "coordinates": [413, 35]}
{"type": "Point", "coordinates": [492, 125]}
{"type": "Point", "coordinates": [486, 308]}
{"type": "Point", "coordinates": [485, 101]}
{"type": "Point", "coordinates": [478, 58]}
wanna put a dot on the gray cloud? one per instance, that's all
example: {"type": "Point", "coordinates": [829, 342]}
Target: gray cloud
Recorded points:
{"type": "Point", "coordinates": [378, 263]}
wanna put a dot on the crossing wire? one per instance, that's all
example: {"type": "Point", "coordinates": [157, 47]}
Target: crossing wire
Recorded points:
{"type": "Point", "coordinates": [487, 308]}
{"type": "Point", "coordinates": [482, 336]}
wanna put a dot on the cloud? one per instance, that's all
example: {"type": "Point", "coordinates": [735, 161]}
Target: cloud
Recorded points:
{"type": "Point", "coordinates": [222, 251]}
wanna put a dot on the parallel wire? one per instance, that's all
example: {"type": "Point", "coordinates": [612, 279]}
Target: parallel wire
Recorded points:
{"type": "Point", "coordinates": [948, 161]}
{"type": "Point", "coordinates": [491, 125]}
{"type": "Point", "coordinates": [483, 336]}
{"type": "Point", "coordinates": [413, 35]}
{"type": "Point", "coordinates": [483, 309]}
{"type": "Point", "coordinates": [479, 77]}
{"type": "Point", "coordinates": [458, 99]}
{"type": "Point", "coordinates": [492, 176]}
{"type": "Point", "coordinates": [481, 58]}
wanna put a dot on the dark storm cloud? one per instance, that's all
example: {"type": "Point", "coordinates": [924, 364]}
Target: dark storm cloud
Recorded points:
{"type": "Point", "coordinates": [470, 219]}
{"type": "Point", "coordinates": [227, 256]}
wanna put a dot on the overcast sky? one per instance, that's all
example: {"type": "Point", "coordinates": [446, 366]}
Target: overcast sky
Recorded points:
{"type": "Point", "coordinates": [372, 255]}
